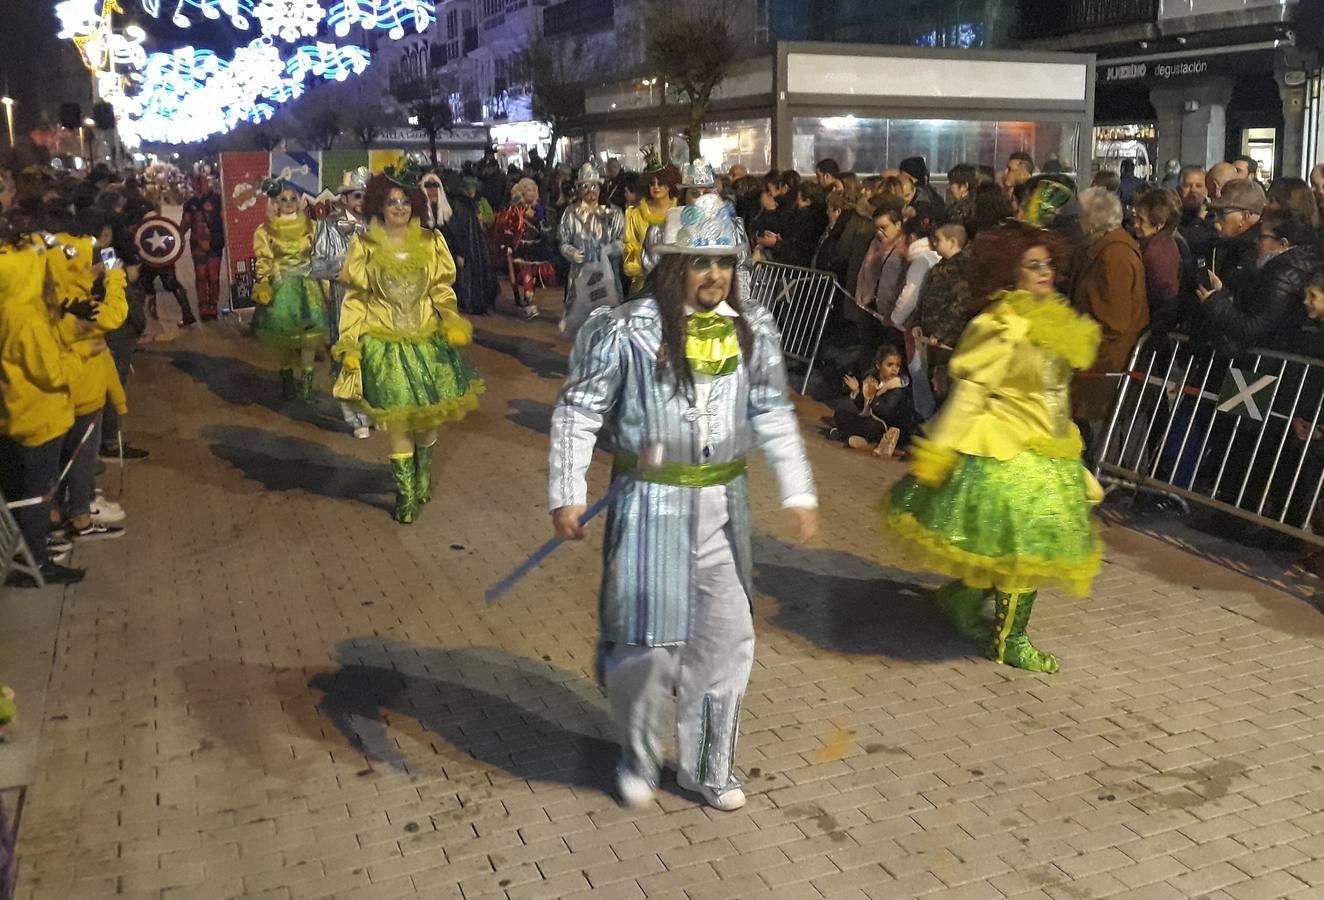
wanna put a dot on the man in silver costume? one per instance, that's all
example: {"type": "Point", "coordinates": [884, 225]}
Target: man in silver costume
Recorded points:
{"type": "Point", "coordinates": [591, 236]}
{"type": "Point", "coordinates": [679, 384]}
{"type": "Point", "coordinates": [329, 243]}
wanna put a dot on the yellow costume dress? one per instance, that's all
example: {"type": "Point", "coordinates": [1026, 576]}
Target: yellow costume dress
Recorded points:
{"type": "Point", "coordinates": [998, 496]}
{"type": "Point", "coordinates": [400, 336]}
{"type": "Point", "coordinates": [638, 219]}
{"type": "Point", "coordinates": [291, 312]}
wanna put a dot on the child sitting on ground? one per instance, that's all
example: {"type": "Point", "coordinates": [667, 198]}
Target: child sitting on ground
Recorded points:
{"type": "Point", "coordinates": [879, 412]}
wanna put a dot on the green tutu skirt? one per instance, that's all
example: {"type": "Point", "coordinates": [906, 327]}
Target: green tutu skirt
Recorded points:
{"type": "Point", "coordinates": [416, 385]}
{"type": "Point", "coordinates": [1014, 525]}
{"type": "Point", "coordinates": [296, 317]}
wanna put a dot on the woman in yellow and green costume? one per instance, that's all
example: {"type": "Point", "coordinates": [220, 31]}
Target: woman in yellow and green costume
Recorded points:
{"type": "Point", "coordinates": [400, 334]}
{"type": "Point", "coordinates": [649, 213]}
{"type": "Point", "coordinates": [997, 496]}
{"type": "Point", "coordinates": [291, 314]}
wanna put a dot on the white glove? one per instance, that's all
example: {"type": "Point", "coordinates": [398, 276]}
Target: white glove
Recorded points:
{"type": "Point", "coordinates": [577, 256]}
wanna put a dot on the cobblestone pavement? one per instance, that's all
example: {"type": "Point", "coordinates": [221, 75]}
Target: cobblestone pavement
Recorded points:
{"type": "Point", "coordinates": [269, 689]}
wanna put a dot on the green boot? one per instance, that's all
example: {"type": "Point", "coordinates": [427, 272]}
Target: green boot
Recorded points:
{"type": "Point", "coordinates": [964, 608]}
{"type": "Point", "coordinates": [287, 387]}
{"type": "Point", "coordinates": [1010, 644]}
{"type": "Point", "coordinates": [306, 393]}
{"type": "Point", "coordinates": [406, 487]}
{"type": "Point", "coordinates": [423, 471]}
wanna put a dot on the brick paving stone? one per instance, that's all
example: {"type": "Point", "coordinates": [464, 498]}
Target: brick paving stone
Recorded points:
{"type": "Point", "coordinates": [288, 694]}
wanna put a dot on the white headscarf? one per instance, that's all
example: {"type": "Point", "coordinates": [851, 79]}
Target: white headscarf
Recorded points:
{"type": "Point", "coordinates": [440, 212]}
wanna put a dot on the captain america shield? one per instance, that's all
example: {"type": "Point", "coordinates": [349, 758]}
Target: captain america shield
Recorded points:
{"type": "Point", "coordinates": [158, 241]}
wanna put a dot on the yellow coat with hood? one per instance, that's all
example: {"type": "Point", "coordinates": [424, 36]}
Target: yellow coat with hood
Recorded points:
{"type": "Point", "coordinates": [37, 370]}
{"type": "Point", "coordinates": [72, 280]}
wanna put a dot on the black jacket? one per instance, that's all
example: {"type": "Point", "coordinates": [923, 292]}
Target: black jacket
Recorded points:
{"type": "Point", "coordinates": [1267, 312]}
{"type": "Point", "coordinates": [800, 240]}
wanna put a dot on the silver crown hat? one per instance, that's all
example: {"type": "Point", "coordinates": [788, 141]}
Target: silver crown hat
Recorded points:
{"type": "Point", "coordinates": [355, 180]}
{"type": "Point", "coordinates": [588, 174]}
{"type": "Point", "coordinates": [704, 228]}
{"type": "Point", "coordinates": [697, 175]}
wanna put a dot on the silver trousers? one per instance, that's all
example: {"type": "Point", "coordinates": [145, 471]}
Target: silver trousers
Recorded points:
{"type": "Point", "coordinates": [706, 675]}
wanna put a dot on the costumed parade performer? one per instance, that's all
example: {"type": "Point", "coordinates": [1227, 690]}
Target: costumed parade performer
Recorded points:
{"type": "Point", "coordinates": [590, 235]}
{"type": "Point", "coordinates": [329, 244]}
{"type": "Point", "coordinates": [291, 314]}
{"type": "Point", "coordinates": [997, 496]}
{"type": "Point", "coordinates": [400, 333]}
{"type": "Point", "coordinates": [205, 224]}
{"type": "Point", "coordinates": [682, 382]}
{"type": "Point", "coordinates": [645, 219]}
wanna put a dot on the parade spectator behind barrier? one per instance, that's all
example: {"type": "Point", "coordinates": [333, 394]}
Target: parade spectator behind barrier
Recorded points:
{"type": "Point", "coordinates": [776, 207]}
{"type": "Point", "coordinates": [1289, 194]}
{"type": "Point", "coordinates": [945, 302]}
{"type": "Point", "coordinates": [881, 276]}
{"type": "Point", "coordinates": [1267, 309]}
{"type": "Point", "coordinates": [1110, 287]}
{"type": "Point", "coordinates": [849, 184]}
{"type": "Point", "coordinates": [992, 208]}
{"type": "Point", "coordinates": [1156, 214]}
{"type": "Point", "coordinates": [878, 413]}
{"type": "Point", "coordinates": [828, 173]}
{"type": "Point", "coordinates": [748, 198]}
{"type": "Point", "coordinates": [122, 344]}
{"type": "Point", "coordinates": [917, 234]}
{"type": "Point", "coordinates": [1237, 213]}
{"type": "Point", "coordinates": [852, 247]}
{"type": "Point", "coordinates": [1219, 176]}
{"type": "Point", "coordinates": [1106, 179]}
{"type": "Point", "coordinates": [1317, 187]}
{"type": "Point", "coordinates": [1197, 223]}
{"type": "Point", "coordinates": [835, 208]}
{"type": "Point", "coordinates": [808, 225]}
{"type": "Point", "coordinates": [961, 182]}
{"type": "Point", "coordinates": [1018, 170]}
{"type": "Point", "coordinates": [1246, 167]}
{"type": "Point", "coordinates": [1171, 174]}
{"type": "Point", "coordinates": [1128, 183]}
{"type": "Point", "coordinates": [37, 372]}
{"type": "Point", "coordinates": [923, 197]}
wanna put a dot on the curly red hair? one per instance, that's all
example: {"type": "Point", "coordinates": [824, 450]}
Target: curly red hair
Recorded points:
{"type": "Point", "coordinates": [997, 254]}
{"type": "Point", "coordinates": [379, 188]}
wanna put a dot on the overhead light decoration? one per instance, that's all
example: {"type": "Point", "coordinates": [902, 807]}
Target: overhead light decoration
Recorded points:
{"type": "Point", "coordinates": [392, 16]}
{"type": "Point", "coordinates": [289, 20]}
{"type": "Point", "coordinates": [190, 93]}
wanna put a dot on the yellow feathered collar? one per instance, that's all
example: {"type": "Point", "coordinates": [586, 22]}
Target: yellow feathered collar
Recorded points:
{"type": "Point", "coordinates": [650, 217]}
{"type": "Point", "coordinates": [1055, 326]}
{"type": "Point", "coordinates": [414, 255]}
{"type": "Point", "coordinates": [289, 228]}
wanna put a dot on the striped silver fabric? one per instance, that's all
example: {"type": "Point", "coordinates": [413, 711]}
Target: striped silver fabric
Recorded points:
{"type": "Point", "coordinates": [614, 394]}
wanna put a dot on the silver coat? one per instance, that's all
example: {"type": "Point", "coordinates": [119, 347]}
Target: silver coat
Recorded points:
{"type": "Point", "coordinates": [332, 236]}
{"type": "Point", "coordinates": [600, 236]}
{"type": "Point", "coordinates": [615, 395]}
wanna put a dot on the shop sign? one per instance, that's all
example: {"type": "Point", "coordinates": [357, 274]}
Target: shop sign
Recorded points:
{"type": "Point", "coordinates": [1184, 9]}
{"type": "Point", "coordinates": [1162, 71]}
{"type": "Point", "coordinates": [447, 138]}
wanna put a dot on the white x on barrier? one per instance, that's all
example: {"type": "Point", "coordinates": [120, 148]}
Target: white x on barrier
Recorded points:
{"type": "Point", "coordinates": [1246, 393]}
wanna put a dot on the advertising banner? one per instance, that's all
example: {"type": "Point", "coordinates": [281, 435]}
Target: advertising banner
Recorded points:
{"type": "Point", "coordinates": [244, 209]}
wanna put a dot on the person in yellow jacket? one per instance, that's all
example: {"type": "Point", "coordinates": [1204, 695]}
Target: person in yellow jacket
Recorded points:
{"type": "Point", "coordinates": [93, 295]}
{"type": "Point", "coordinates": [292, 314]}
{"type": "Point", "coordinates": [997, 496]}
{"type": "Point", "coordinates": [659, 183]}
{"type": "Point", "coordinates": [37, 372]}
{"type": "Point", "coordinates": [400, 334]}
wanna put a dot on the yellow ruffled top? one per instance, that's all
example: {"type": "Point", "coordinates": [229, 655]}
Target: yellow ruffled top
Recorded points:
{"type": "Point", "coordinates": [399, 292]}
{"type": "Point", "coordinates": [638, 219]}
{"type": "Point", "coordinates": [283, 245]}
{"type": "Point", "coordinates": [1010, 378]}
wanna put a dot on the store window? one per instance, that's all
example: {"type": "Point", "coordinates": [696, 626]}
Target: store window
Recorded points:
{"type": "Point", "coordinates": [747, 142]}
{"type": "Point", "coordinates": [868, 146]}
{"type": "Point", "coordinates": [624, 145]}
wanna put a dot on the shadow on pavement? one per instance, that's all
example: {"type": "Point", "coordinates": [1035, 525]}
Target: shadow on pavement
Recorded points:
{"type": "Point", "coordinates": [241, 383]}
{"type": "Point", "coordinates": [520, 715]}
{"type": "Point", "coordinates": [849, 604]}
{"type": "Point", "coordinates": [544, 360]}
{"type": "Point", "coordinates": [282, 463]}
{"type": "Point", "coordinates": [531, 414]}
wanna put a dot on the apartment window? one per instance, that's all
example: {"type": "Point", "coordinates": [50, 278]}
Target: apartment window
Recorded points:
{"type": "Point", "coordinates": [452, 25]}
{"type": "Point", "coordinates": [492, 8]}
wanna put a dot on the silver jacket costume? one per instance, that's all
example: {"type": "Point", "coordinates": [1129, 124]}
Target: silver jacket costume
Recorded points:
{"type": "Point", "coordinates": [329, 244]}
{"type": "Point", "coordinates": [616, 394]}
{"type": "Point", "coordinates": [599, 234]}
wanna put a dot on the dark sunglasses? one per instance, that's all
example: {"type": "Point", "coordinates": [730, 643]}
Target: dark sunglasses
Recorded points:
{"type": "Point", "coordinates": [356, 195]}
{"type": "Point", "coordinates": [703, 263]}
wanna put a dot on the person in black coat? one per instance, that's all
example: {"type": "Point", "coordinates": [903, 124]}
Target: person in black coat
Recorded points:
{"type": "Point", "coordinates": [808, 223]}
{"type": "Point", "coordinates": [475, 280]}
{"type": "Point", "coordinates": [1268, 309]}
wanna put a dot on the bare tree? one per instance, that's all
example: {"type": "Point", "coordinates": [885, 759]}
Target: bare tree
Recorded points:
{"type": "Point", "coordinates": [432, 116]}
{"type": "Point", "coordinates": [322, 128]}
{"type": "Point", "coordinates": [266, 140]}
{"type": "Point", "coordinates": [691, 45]}
{"type": "Point", "coordinates": [366, 126]}
{"type": "Point", "coordinates": [553, 69]}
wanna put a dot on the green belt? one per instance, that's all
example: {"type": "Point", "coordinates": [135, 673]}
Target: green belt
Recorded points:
{"type": "Point", "coordinates": [694, 475]}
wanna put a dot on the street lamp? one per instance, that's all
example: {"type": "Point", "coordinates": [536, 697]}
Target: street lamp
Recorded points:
{"type": "Point", "coordinates": [9, 118]}
{"type": "Point", "coordinates": [82, 136]}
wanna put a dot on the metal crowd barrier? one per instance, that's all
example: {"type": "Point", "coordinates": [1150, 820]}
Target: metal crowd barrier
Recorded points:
{"type": "Point", "coordinates": [800, 299]}
{"type": "Point", "coordinates": [1241, 434]}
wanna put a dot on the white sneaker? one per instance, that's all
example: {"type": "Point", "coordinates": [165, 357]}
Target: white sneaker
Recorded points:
{"type": "Point", "coordinates": [727, 801]}
{"type": "Point", "coordinates": [363, 432]}
{"type": "Point", "coordinates": [107, 512]}
{"type": "Point", "coordinates": [634, 790]}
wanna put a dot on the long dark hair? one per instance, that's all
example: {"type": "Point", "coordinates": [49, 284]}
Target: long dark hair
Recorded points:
{"type": "Point", "coordinates": [668, 286]}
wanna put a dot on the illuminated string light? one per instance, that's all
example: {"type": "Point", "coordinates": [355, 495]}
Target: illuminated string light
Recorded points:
{"type": "Point", "coordinates": [289, 20]}
{"type": "Point", "coordinates": [391, 16]}
{"type": "Point", "coordinates": [236, 10]}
